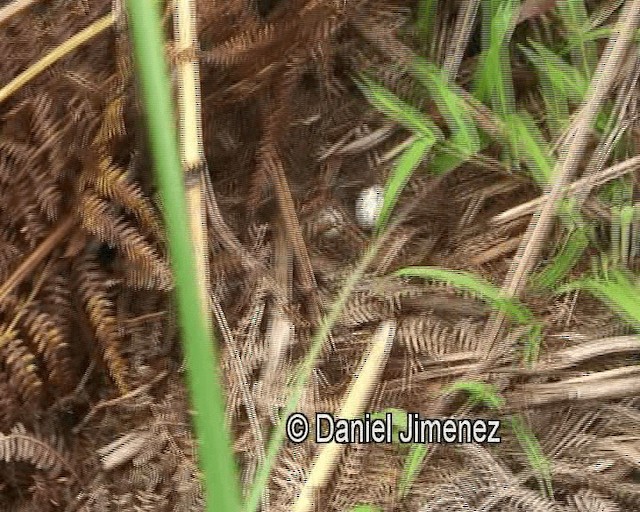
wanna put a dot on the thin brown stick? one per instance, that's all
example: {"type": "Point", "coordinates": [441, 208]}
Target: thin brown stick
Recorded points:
{"type": "Point", "coordinates": [39, 254]}
{"type": "Point", "coordinates": [130, 322]}
{"type": "Point", "coordinates": [461, 35]}
{"type": "Point", "coordinates": [292, 225]}
{"type": "Point", "coordinates": [581, 186]}
{"type": "Point", "coordinates": [497, 251]}
{"type": "Point", "coordinates": [55, 55]}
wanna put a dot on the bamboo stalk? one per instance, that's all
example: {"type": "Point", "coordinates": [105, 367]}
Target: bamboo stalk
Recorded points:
{"type": "Point", "coordinates": [214, 448]}
{"type": "Point", "coordinates": [194, 166]}
{"type": "Point", "coordinates": [582, 186]}
{"type": "Point", "coordinates": [190, 129]}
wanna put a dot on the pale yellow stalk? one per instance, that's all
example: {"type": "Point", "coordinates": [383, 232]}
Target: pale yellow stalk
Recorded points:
{"type": "Point", "coordinates": [191, 137]}
{"type": "Point", "coordinates": [356, 400]}
{"type": "Point", "coordinates": [16, 7]}
{"type": "Point", "coordinates": [55, 55]}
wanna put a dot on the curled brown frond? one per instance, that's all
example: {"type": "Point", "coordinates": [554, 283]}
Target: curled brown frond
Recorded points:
{"type": "Point", "coordinates": [21, 446]}
{"type": "Point", "coordinates": [92, 288]}
{"type": "Point", "coordinates": [19, 364]}
{"type": "Point", "coordinates": [100, 220]}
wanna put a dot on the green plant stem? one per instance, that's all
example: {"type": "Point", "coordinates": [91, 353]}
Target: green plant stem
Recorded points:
{"type": "Point", "coordinates": [214, 448]}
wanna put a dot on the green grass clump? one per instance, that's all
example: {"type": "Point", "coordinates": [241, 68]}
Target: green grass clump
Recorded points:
{"type": "Point", "coordinates": [616, 288]}
{"type": "Point", "coordinates": [416, 452]}
{"type": "Point", "coordinates": [481, 392]}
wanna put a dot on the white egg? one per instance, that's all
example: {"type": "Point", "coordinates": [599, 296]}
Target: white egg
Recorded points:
{"type": "Point", "coordinates": [368, 206]}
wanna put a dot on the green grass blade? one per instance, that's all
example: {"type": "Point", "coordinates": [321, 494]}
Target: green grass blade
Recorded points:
{"type": "Point", "coordinates": [566, 80]}
{"type": "Point", "coordinates": [215, 451]}
{"type": "Point", "coordinates": [489, 293]}
{"type": "Point", "coordinates": [479, 392]}
{"type": "Point", "coordinates": [555, 99]}
{"type": "Point", "coordinates": [402, 171]}
{"type": "Point", "coordinates": [417, 452]}
{"type": "Point", "coordinates": [576, 20]}
{"type": "Point", "coordinates": [454, 109]}
{"type": "Point", "coordinates": [562, 84]}
{"type": "Point", "coordinates": [398, 418]}
{"type": "Point", "coordinates": [427, 11]}
{"type": "Point", "coordinates": [475, 284]}
{"type": "Point", "coordinates": [493, 80]}
{"type": "Point", "coordinates": [412, 467]}
{"type": "Point", "coordinates": [617, 290]}
{"type": "Point", "coordinates": [532, 345]}
{"type": "Point", "coordinates": [448, 155]}
{"type": "Point", "coordinates": [578, 237]}
{"type": "Point", "coordinates": [593, 35]}
{"type": "Point", "coordinates": [398, 110]}
{"type": "Point", "coordinates": [531, 447]}
{"type": "Point", "coordinates": [527, 141]}
{"type": "Point", "coordinates": [366, 508]}
{"type": "Point", "coordinates": [627, 214]}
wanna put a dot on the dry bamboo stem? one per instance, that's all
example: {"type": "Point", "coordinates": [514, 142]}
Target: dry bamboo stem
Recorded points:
{"type": "Point", "coordinates": [191, 139]}
{"type": "Point", "coordinates": [194, 164]}
{"type": "Point", "coordinates": [582, 186]}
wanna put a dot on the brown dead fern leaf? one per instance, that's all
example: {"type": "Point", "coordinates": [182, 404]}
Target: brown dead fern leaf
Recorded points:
{"type": "Point", "coordinates": [21, 446]}
{"type": "Point", "coordinates": [19, 363]}
{"type": "Point", "coordinates": [114, 184]}
{"type": "Point", "coordinates": [99, 219]}
{"type": "Point", "coordinates": [92, 289]}
{"type": "Point", "coordinates": [49, 342]}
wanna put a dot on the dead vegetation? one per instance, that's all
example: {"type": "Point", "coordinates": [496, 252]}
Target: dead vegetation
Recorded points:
{"type": "Point", "coordinates": [93, 412]}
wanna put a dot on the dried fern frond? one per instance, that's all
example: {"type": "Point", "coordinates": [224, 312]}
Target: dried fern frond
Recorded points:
{"type": "Point", "coordinates": [434, 338]}
{"type": "Point", "coordinates": [91, 286]}
{"type": "Point", "coordinates": [113, 183]}
{"type": "Point", "coordinates": [99, 219]}
{"type": "Point", "coordinates": [21, 446]}
{"type": "Point", "coordinates": [19, 363]}
{"type": "Point", "coordinates": [50, 344]}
